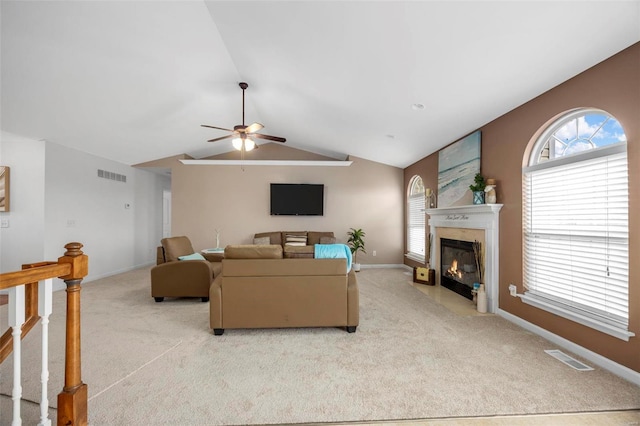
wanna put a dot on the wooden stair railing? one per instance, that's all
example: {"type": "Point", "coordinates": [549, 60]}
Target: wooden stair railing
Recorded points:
{"type": "Point", "coordinates": [31, 311]}
{"type": "Point", "coordinates": [72, 268]}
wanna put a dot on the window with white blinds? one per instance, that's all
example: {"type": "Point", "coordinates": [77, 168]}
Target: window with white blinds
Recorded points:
{"type": "Point", "coordinates": [416, 220]}
{"type": "Point", "coordinates": [575, 218]}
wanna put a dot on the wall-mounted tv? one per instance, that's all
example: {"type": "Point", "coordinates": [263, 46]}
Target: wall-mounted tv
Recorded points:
{"type": "Point", "coordinates": [297, 199]}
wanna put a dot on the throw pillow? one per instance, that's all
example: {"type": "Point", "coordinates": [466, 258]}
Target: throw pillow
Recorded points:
{"type": "Point", "coordinates": [327, 240]}
{"type": "Point", "coordinates": [194, 256]}
{"type": "Point", "coordinates": [262, 241]}
{"type": "Point", "coordinates": [295, 240]}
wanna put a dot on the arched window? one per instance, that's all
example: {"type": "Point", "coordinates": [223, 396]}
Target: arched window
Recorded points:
{"type": "Point", "coordinates": [415, 220]}
{"type": "Point", "coordinates": [575, 219]}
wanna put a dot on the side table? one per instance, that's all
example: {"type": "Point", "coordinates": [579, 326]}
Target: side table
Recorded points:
{"type": "Point", "coordinates": [213, 254]}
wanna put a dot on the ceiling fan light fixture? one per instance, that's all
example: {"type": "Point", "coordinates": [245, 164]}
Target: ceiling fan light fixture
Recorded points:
{"type": "Point", "coordinates": [237, 143]}
{"type": "Point", "coordinates": [248, 144]}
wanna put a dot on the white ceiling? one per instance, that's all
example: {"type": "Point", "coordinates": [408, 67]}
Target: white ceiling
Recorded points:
{"type": "Point", "coordinates": [132, 81]}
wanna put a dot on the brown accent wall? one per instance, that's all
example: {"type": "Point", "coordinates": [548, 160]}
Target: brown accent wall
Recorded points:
{"type": "Point", "coordinates": [365, 195]}
{"type": "Point", "coordinates": [427, 169]}
{"type": "Point", "coordinates": [614, 86]}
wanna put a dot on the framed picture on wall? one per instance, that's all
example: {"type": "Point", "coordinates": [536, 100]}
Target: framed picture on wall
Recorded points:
{"type": "Point", "coordinates": [4, 189]}
{"type": "Point", "coordinates": [457, 165]}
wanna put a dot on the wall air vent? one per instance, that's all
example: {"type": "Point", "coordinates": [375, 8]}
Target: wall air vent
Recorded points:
{"type": "Point", "coordinates": [111, 176]}
{"type": "Point", "coordinates": [571, 362]}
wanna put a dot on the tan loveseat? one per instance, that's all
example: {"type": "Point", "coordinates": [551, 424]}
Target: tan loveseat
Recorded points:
{"type": "Point", "coordinates": [301, 249]}
{"type": "Point", "coordinates": [258, 288]}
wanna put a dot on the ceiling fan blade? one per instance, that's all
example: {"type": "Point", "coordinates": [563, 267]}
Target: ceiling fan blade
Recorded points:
{"type": "Point", "coordinates": [221, 138]}
{"type": "Point", "coordinates": [253, 128]}
{"type": "Point", "coordinates": [214, 127]}
{"type": "Point", "coordinates": [270, 138]}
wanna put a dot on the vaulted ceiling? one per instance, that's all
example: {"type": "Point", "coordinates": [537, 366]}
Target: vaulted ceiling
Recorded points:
{"type": "Point", "coordinates": [132, 81]}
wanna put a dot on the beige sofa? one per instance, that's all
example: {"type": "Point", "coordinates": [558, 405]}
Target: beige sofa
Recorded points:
{"type": "Point", "coordinates": [301, 250]}
{"type": "Point", "coordinates": [258, 288]}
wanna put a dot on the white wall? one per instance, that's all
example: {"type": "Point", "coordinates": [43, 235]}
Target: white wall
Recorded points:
{"type": "Point", "coordinates": [21, 242]}
{"type": "Point", "coordinates": [57, 197]}
{"type": "Point", "coordinates": [82, 207]}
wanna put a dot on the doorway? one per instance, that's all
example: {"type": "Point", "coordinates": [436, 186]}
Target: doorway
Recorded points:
{"type": "Point", "coordinates": [166, 213]}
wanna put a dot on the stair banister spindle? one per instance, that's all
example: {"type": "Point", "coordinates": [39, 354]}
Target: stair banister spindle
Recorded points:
{"type": "Point", "coordinates": [16, 319]}
{"type": "Point", "coordinates": [45, 308]}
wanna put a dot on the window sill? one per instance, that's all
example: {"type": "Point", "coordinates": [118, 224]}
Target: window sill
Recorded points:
{"type": "Point", "coordinates": [563, 312]}
{"type": "Point", "coordinates": [415, 257]}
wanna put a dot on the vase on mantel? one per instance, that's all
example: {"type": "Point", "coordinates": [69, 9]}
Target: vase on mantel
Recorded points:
{"type": "Point", "coordinates": [478, 197]}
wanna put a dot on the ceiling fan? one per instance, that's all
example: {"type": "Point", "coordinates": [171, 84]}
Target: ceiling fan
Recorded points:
{"type": "Point", "coordinates": [242, 134]}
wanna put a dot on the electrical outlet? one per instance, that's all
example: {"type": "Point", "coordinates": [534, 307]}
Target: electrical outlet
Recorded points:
{"type": "Point", "coordinates": [374, 253]}
{"type": "Point", "coordinates": [71, 223]}
{"type": "Point", "coordinates": [4, 223]}
{"type": "Point", "coordinates": [513, 291]}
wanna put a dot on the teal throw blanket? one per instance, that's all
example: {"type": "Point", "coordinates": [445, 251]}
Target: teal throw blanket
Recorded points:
{"type": "Point", "coordinates": [333, 251]}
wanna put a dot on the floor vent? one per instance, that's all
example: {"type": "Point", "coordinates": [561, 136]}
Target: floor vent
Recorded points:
{"type": "Point", "coordinates": [571, 362]}
{"type": "Point", "coordinates": [112, 176]}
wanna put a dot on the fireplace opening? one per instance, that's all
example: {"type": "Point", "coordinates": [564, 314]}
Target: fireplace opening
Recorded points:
{"type": "Point", "coordinates": [458, 269]}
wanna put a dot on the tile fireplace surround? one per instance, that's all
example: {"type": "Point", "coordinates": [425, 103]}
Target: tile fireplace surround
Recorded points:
{"type": "Point", "coordinates": [468, 223]}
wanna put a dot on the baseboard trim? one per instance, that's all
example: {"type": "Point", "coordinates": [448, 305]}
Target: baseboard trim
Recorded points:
{"type": "Point", "coordinates": [609, 365]}
{"type": "Point", "coordinates": [381, 266]}
{"type": "Point", "coordinates": [91, 278]}
{"type": "Point", "coordinates": [60, 285]}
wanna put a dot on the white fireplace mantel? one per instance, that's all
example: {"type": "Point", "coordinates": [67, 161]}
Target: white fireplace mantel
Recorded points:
{"type": "Point", "coordinates": [478, 216]}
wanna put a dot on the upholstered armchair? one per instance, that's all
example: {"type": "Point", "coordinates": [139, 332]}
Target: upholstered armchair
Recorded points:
{"type": "Point", "coordinates": [173, 277]}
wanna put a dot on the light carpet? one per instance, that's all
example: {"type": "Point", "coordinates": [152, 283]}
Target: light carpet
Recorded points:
{"type": "Point", "coordinates": [411, 358]}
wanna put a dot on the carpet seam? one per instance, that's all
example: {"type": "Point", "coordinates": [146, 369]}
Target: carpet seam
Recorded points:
{"type": "Point", "coordinates": [135, 371]}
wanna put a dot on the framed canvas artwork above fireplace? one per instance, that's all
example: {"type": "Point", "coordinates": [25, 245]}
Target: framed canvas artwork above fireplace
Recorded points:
{"type": "Point", "coordinates": [457, 165]}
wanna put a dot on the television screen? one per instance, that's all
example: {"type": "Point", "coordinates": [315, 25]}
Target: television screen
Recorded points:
{"type": "Point", "coordinates": [297, 199]}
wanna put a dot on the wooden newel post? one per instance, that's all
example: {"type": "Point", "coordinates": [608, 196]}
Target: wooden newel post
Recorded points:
{"type": "Point", "coordinates": [72, 401]}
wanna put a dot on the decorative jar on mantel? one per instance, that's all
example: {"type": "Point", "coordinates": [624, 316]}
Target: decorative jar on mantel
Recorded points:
{"type": "Point", "coordinates": [477, 188]}
{"type": "Point", "coordinates": [478, 197]}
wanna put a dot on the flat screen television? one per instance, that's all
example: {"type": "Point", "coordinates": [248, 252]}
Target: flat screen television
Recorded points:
{"type": "Point", "coordinates": [297, 199]}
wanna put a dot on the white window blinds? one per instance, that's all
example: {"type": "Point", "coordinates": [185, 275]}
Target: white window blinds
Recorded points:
{"type": "Point", "coordinates": [416, 224]}
{"type": "Point", "coordinates": [575, 216]}
{"type": "Point", "coordinates": [415, 220]}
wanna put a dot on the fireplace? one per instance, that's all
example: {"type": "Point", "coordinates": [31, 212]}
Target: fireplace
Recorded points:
{"type": "Point", "coordinates": [458, 266]}
{"type": "Point", "coordinates": [467, 223]}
